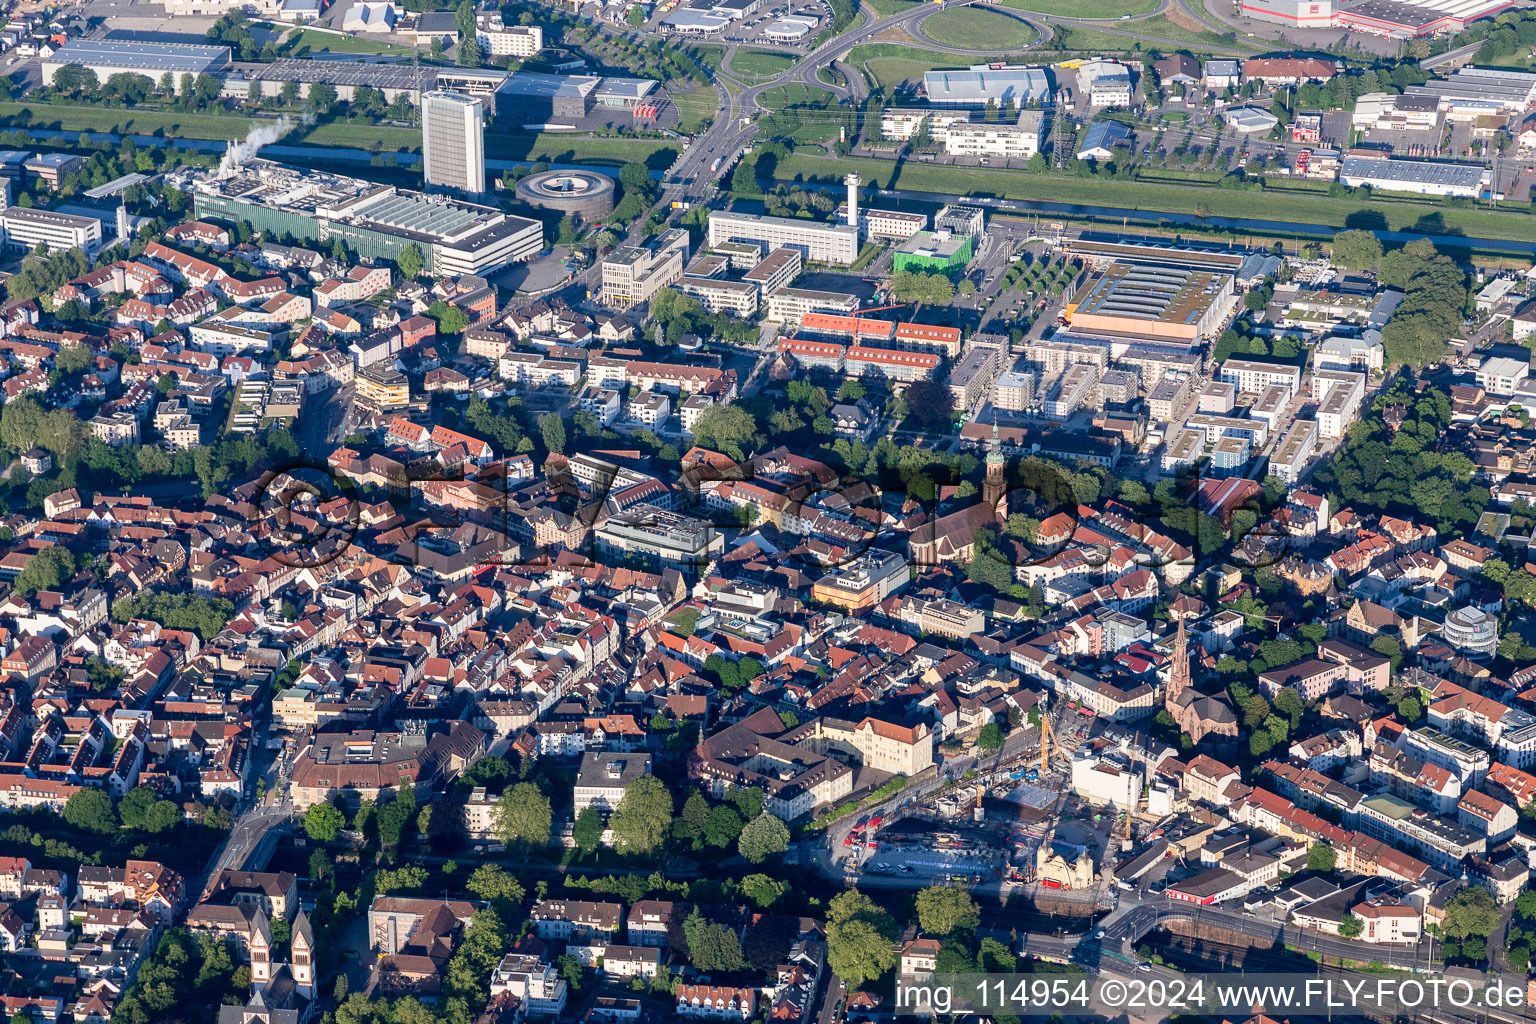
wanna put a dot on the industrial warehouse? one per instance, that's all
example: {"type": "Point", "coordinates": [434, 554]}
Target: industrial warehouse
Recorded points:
{"type": "Point", "coordinates": [108, 57]}
{"type": "Point", "coordinates": [1167, 303]}
{"type": "Point", "coordinates": [1396, 19]}
{"type": "Point", "coordinates": [1421, 176]}
{"type": "Point", "coordinates": [376, 221]}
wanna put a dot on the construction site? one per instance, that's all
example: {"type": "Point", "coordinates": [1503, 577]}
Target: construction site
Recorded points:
{"type": "Point", "coordinates": [1050, 824]}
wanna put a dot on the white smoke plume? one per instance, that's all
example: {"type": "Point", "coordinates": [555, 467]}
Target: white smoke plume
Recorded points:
{"type": "Point", "coordinates": [262, 135]}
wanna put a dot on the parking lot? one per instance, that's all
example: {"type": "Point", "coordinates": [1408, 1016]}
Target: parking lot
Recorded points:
{"type": "Point", "coordinates": [930, 856]}
{"type": "Point", "coordinates": [762, 28]}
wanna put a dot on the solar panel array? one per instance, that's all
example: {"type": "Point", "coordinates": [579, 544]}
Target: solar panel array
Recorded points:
{"type": "Point", "coordinates": [1142, 293]}
{"type": "Point", "coordinates": [415, 213]}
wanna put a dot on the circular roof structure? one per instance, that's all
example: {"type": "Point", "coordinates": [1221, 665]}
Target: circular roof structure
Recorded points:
{"type": "Point", "coordinates": [584, 194]}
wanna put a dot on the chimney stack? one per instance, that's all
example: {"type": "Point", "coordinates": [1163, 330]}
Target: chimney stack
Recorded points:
{"type": "Point", "coordinates": [853, 181]}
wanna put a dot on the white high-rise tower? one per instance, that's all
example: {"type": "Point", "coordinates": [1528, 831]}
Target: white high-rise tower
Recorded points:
{"type": "Point", "coordinates": [853, 181]}
{"type": "Point", "coordinates": [453, 141]}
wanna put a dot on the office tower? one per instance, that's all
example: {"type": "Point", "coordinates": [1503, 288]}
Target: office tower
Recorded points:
{"type": "Point", "coordinates": [453, 141]}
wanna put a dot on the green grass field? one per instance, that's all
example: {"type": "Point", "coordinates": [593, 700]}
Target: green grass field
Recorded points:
{"type": "Point", "coordinates": [1280, 208]}
{"type": "Point", "coordinates": [128, 122]}
{"type": "Point", "coordinates": [709, 55]}
{"type": "Point", "coordinates": [891, 64]}
{"type": "Point", "coordinates": [781, 96]}
{"type": "Point", "coordinates": [695, 107]}
{"type": "Point", "coordinates": [761, 63]}
{"type": "Point", "coordinates": [1106, 9]}
{"type": "Point", "coordinates": [564, 150]}
{"type": "Point", "coordinates": [1089, 40]}
{"type": "Point", "coordinates": [317, 41]}
{"type": "Point", "coordinates": [886, 8]}
{"type": "Point", "coordinates": [361, 136]}
{"type": "Point", "coordinates": [975, 28]}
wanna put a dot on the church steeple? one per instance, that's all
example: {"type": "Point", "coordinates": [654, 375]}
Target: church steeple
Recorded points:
{"type": "Point", "coordinates": [1178, 676]}
{"type": "Point", "coordinates": [302, 956]}
{"type": "Point", "coordinates": [261, 950]}
{"type": "Point", "coordinates": [994, 488]}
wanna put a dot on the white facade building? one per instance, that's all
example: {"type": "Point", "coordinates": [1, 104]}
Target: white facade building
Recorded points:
{"type": "Point", "coordinates": [453, 141]}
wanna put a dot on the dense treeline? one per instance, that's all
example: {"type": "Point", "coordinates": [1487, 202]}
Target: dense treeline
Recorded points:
{"type": "Point", "coordinates": [1402, 471]}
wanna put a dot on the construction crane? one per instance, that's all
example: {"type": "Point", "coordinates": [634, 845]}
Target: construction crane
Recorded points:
{"type": "Point", "coordinates": [1046, 739]}
{"type": "Point", "coordinates": [1135, 800]}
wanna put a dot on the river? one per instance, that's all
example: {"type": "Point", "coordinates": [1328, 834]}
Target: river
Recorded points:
{"type": "Point", "coordinates": [364, 158]}
{"type": "Point", "coordinates": [1155, 218]}
{"type": "Point", "coordinates": [278, 151]}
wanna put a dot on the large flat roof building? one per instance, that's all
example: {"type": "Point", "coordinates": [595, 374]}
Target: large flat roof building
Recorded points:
{"type": "Point", "coordinates": [374, 220]}
{"type": "Point", "coordinates": [1296, 13]}
{"type": "Point", "coordinates": [345, 76]}
{"type": "Point", "coordinates": [1011, 141]}
{"type": "Point", "coordinates": [1472, 91]}
{"type": "Point", "coordinates": [1422, 176]}
{"type": "Point", "coordinates": [540, 97]}
{"type": "Point", "coordinates": [816, 242]}
{"type": "Point", "coordinates": [23, 228]}
{"type": "Point", "coordinates": [974, 86]}
{"type": "Point", "coordinates": [1162, 302]}
{"type": "Point", "coordinates": [108, 57]}
{"type": "Point", "coordinates": [789, 305]}
{"type": "Point", "coordinates": [632, 274]}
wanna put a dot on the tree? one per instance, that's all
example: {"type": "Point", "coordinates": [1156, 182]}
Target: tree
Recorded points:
{"type": "Point", "coordinates": [762, 890]}
{"type": "Point", "coordinates": [49, 569]}
{"type": "Point", "coordinates": [394, 817]}
{"type": "Point", "coordinates": [932, 289]}
{"type": "Point", "coordinates": [765, 836]}
{"type": "Point", "coordinates": [690, 822]}
{"type": "Point", "coordinates": [1350, 927]}
{"type": "Point", "coordinates": [722, 826]}
{"type": "Point", "coordinates": [142, 810]}
{"type": "Point", "coordinates": [726, 428]}
{"type": "Point", "coordinates": [1321, 858]}
{"type": "Point", "coordinates": [636, 16]}
{"type": "Point", "coordinates": [490, 882]}
{"type": "Point", "coordinates": [1356, 250]}
{"type": "Point", "coordinates": [860, 938]}
{"type": "Point", "coordinates": [73, 359]}
{"type": "Point", "coordinates": [1290, 705]}
{"type": "Point", "coordinates": [552, 430]}
{"type": "Point", "coordinates": [408, 879]}
{"type": "Point", "coordinates": [930, 402]}
{"type": "Point", "coordinates": [1470, 913]}
{"type": "Point", "coordinates": [768, 941]}
{"type": "Point", "coordinates": [76, 79]}
{"type": "Point", "coordinates": [450, 319]}
{"type": "Point", "coordinates": [409, 262]}
{"type": "Point", "coordinates": [944, 909]}
{"type": "Point", "coordinates": [523, 816]}
{"type": "Point", "coordinates": [322, 97]}
{"type": "Point", "coordinates": [1434, 299]}
{"type": "Point", "coordinates": [644, 816]}
{"type": "Point", "coordinates": [91, 810]}
{"type": "Point", "coordinates": [588, 830]}
{"type": "Point", "coordinates": [23, 422]}
{"type": "Point", "coordinates": [990, 737]}
{"type": "Point", "coordinates": [135, 804]}
{"type": "Point", "coordinates": [714, 947]}
{"type": "Point", "coordinates": [1389, 647]}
